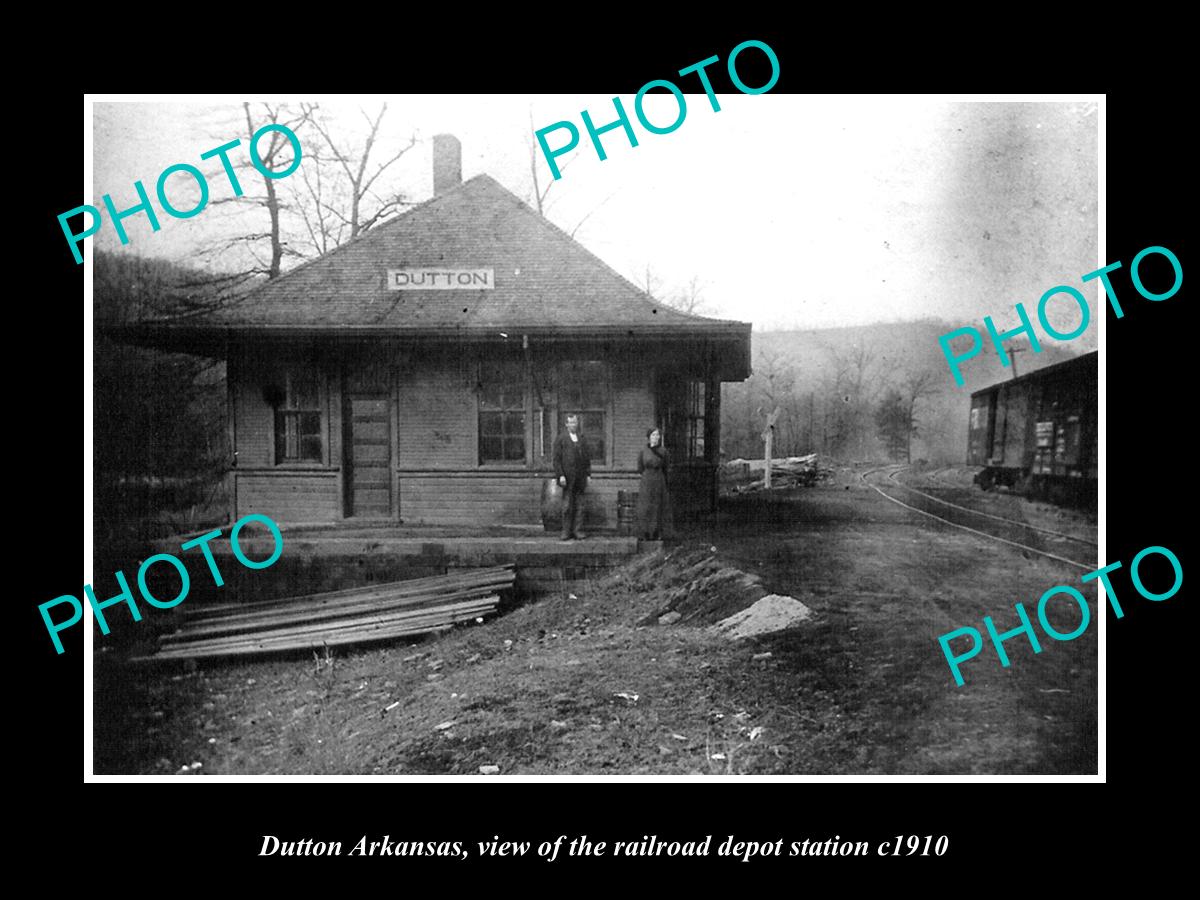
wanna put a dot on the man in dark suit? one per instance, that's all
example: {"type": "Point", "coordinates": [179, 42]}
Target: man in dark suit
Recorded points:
{"type": "Point", "coordinates": [573, 468]}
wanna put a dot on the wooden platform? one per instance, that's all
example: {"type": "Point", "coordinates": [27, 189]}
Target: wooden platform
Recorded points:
{"type": "Point", "coordinates": [345, 556]}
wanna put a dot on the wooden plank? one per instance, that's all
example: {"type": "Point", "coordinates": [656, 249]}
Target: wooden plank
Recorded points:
{"type": "Point", "coordinates": [350, 606]}
{"type": "Point", "coordinates": [378, 478]}
{"type": "Point", "coordinates": [437, 615]}
{"type": "Point", "coordinates": [371, 500]}
{"type": "Point", "coordinates": [345, 635]}
{"type": "Point", "coordinates": [459, 613]}
{"type": "Point", "coordinates": [372, 432]}
{"type": "Point", "coordinates": [283, 617]}
{"type": "Point", "coordinates": [369, 407]}
{"type": "Point", "coordinates": [462, 577]}
{"type": "Point", "coordinates": [367, 453]}
{"type": "Point", "coordinates": [267, 608]}
{"type": "Point", "coordinates": [428, 621]}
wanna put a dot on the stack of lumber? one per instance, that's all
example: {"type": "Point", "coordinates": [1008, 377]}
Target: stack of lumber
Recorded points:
{"type": "Point", "coordinates": [794, 471]}
{"type": "Point", "coordinates": [356, 616]}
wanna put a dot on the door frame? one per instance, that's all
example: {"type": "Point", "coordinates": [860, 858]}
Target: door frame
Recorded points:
{"type": "Point", "coordinates": [348, 398]}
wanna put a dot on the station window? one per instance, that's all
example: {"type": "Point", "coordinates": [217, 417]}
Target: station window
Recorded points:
{"type": "Point", "coordinates": [501, 413]}
{"type": "Point", "coordinates": [583, 389]}
{"type": "Point", "coordinates": [298, 432]}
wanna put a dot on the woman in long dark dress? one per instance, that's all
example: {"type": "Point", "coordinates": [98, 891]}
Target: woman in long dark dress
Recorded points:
{"type": "Point", "coordinates": [654, 508]}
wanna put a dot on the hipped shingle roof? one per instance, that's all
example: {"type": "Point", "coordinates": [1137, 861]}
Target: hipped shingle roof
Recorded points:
{"type": "Point", "coordinates": [544, 280]}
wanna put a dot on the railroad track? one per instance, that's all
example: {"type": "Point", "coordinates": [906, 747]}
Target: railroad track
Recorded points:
{"type": "Point", "coordinates": [1052, 533]}
{"type": "Point", "coordinates": [937, 476]}
{"type": "Point", "coordinates": [1011, 524]}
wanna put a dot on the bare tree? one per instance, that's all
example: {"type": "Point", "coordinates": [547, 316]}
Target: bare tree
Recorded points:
{"type": "Point", "coordinates": [777, 380]}
{"type": "Point", "coordinates": [649, 282]}
{"type": "Point", "coordinates": [323, 231]}
{"type": "Point", "coordinates": [277, 155]}
{"type": "Point", "coordinates": [916, 387]}
{"type": "Point", "coordinates": [854, 383]}
{"type": "Point", "coordinates": [344, 192]}
{"type": "Point", "coordinates": [689, 299]}
{"type": "Point", "coordinates": [539, 193]}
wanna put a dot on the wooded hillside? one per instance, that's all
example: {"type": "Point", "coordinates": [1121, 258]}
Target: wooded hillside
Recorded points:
{"type": "Point", "coordinates": [830, 384]}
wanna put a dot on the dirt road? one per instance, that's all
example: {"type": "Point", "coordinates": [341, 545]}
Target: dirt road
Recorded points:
{"type": "Point", "coordinates": [572, 685]}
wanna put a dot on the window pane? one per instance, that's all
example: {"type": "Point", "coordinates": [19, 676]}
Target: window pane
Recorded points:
{"type": "Point", "coordinates": [310, 425]}
{"type": "Point", "coordinates": [514, 424]}
{"type": "Point", "coordinates": [310, 448]}
{"type": "Point", "coordinates": [583, 385]}
{"type": "Point", "coordinates": [280, 436]}
{"type": "Point", "coordinates": [595, 445]}
{"type": "Point", "coordinates": [592, 424]}
{"type": "Point", "coordinates": [502, 412]}
{"type": "Point", "coordinates": [594, 385]}
{"type": "Point", "coordinates": [502, 386]}
{"type": "Point", "coordinates": [489, 397]}
{"type": "Point", "coordinates": [298, 436]}
{"type": "Point", "coordinates": [304, 391]}
{"type": "Point", "coordinates": [489, 424]}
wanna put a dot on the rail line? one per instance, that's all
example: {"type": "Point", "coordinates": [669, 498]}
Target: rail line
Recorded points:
{"type": "Point", "coordinates": [937, 476]}
{"type": "Point", "coordinates": [892, 477]}
{"type": "Point", "coordinates": [993, 537]}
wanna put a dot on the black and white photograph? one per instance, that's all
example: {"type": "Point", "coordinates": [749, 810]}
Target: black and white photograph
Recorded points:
{"type": "Point", "coordinates": [712, 434]}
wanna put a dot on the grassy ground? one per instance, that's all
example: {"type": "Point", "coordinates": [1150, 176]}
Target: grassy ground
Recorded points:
{"type": "Point", "coordinates": [549, 688]}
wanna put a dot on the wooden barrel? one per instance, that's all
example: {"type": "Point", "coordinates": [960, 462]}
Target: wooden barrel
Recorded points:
{"type": "Point", "coordinates": [552, 504]}
{"type": "Point", "coordinates": [626, 511]}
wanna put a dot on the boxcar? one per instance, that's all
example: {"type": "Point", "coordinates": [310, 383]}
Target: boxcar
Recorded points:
{"type": "Point", "coordinates": [1037, 433]}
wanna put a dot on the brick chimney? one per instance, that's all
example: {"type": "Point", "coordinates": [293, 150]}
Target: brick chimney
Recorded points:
{"type": "Point", "coordinates": [447, 163]}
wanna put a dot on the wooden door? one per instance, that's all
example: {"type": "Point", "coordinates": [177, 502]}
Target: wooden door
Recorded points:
{"type": "Point", "coordinates": [368, 442]}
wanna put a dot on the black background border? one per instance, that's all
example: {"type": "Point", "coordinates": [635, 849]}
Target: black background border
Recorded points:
{"type": "Point", "coordinates": [991, 826]}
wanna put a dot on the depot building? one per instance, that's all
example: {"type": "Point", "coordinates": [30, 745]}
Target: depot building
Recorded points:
{"type": "Point", "coordinates": [420, 372]}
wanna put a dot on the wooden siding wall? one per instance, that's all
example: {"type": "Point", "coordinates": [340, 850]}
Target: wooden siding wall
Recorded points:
{"type": "Point", "coordinates": [441, 481]}
{"type": "Point", "coordinates": [483, 498]}
{"type": "Point", "coordinates": [288, 494]}
{"type": "Point", "coordinates": [255, 418]}
{"type": "Point", "coordinates": [438, 479]}
{"type": "Point", "coordinates": [289, 497]}
{"type": "Point", "coordinates": [438, 415]}
{"type": "Point", "coordinates": [633, 400]}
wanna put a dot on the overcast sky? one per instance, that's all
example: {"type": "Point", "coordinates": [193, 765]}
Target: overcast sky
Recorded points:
{"type": "Point", "coordinates": [792, 211]}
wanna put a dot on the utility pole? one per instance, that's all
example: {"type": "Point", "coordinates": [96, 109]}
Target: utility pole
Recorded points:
{"type": "Point", "coordinates": [1013, 353]}
{"type": "Point", "coordinates": [812, 436]}
{"type": "Point", "coordinates": [768, 437]}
